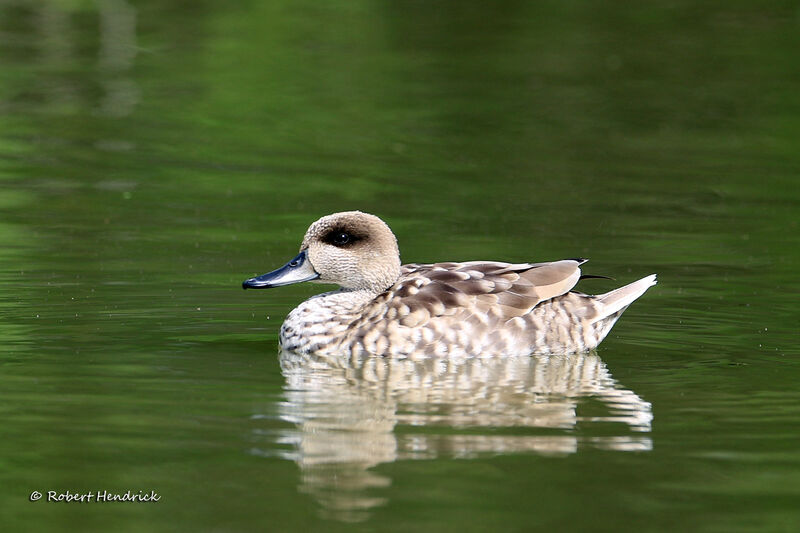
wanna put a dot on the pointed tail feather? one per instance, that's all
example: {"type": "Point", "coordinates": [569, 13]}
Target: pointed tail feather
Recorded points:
{"type": "Point", "coordinates": [617, 300]}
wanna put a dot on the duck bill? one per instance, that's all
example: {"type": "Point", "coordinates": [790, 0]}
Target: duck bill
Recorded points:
{"type": "Point", "coordinates": [297, 270]}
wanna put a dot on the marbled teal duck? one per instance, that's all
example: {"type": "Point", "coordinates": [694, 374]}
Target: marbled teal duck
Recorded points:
{"type": "Point", "coordinates": [475, 308]}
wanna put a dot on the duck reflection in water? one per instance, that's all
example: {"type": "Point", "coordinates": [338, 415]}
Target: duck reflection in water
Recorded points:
{"type": "Point", "coordinates": [346, 412]}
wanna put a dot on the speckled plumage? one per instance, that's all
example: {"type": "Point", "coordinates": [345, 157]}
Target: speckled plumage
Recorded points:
{"type": "Point", "coordinates": [477, 308]}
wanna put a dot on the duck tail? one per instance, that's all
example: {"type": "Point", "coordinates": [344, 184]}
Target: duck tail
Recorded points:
{"type": "Point", "coordinates": [615, 302]}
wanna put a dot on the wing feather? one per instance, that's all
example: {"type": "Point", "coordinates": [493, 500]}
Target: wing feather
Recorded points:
{"type": "Point", "coordinates": [508, 290]}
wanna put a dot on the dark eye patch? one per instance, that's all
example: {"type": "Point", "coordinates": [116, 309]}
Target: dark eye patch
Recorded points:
{"type": "Point", "coordinates": [341, 238]}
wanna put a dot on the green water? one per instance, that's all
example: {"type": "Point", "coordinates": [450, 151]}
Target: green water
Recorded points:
{"type": "Point", "coordinates": [155, 154]}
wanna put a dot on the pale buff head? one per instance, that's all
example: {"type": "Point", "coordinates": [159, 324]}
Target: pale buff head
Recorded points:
{"type": "Point", "coordinates": [354, 250]}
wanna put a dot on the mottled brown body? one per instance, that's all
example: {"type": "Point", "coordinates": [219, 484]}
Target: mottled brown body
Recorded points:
{"type": "Point", "coordinates": [454, 309]}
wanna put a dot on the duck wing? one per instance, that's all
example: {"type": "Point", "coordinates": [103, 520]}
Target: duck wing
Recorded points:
{"type": "Point", "coordinates": [500, 290]}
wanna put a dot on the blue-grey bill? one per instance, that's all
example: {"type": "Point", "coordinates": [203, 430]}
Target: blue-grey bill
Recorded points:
{"type": "Point", "coordinates": [297, 270]}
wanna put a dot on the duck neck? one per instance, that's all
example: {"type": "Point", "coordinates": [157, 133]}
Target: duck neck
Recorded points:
{"type": "Point", "coordinates": [348, 300]}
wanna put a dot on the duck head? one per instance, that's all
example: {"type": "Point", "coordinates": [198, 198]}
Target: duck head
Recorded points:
{"type": "Point", "coordinates": [352, 249]}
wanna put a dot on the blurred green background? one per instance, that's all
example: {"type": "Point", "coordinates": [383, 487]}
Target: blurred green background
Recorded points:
{"type": "Point", "coordinates": [155, 154]}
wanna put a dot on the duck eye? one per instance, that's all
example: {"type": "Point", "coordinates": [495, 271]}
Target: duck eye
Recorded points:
{"type": "Point", "coordinates": [341, 238]}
